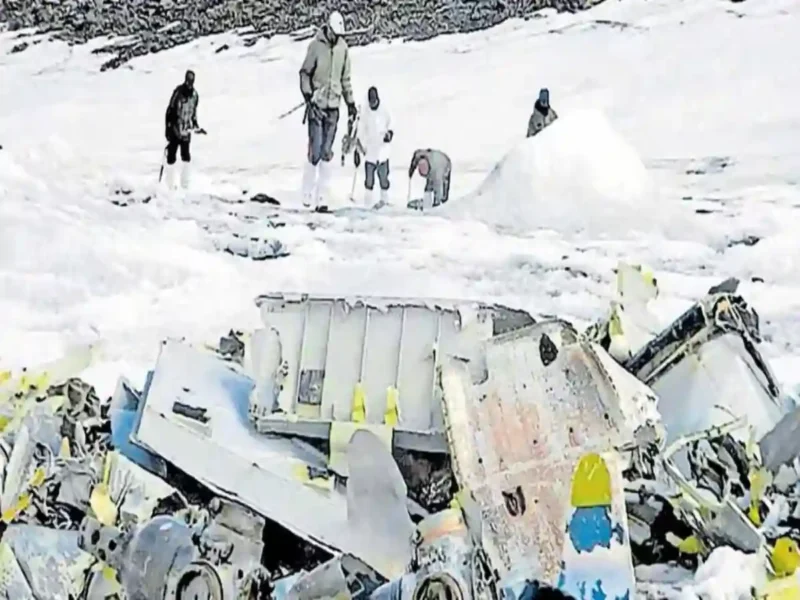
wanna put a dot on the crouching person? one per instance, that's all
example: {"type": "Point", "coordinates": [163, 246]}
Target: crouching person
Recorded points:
{"type": "Point", "coordinates": [435, 166]}
{"type": "Point", "coordinates": [374, 134]}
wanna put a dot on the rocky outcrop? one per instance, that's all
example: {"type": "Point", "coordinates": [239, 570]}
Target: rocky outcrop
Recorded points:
{"type": "Point", "coordinates": [155, 25]}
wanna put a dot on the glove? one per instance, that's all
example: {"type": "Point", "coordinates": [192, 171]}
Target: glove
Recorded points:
{"type": "Point", "coordinates": [313, 112]}
{"type": "Point", "coordinates": [388, 137]}
{"type": "Point", "coordinates": [200, 131]}
{"type": "Point", "coordinates": [352, 111]}
{"type": "Point", "coordinates": [307, 98]}
{"type": "Point", "coordinates": [357, 158]}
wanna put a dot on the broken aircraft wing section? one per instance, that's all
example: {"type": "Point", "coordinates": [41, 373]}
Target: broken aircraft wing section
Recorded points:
{"type": "Point", "coordinates": [519, 427]}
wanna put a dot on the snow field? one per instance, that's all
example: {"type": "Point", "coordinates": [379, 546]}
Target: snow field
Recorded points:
{"type": "Point", "coordinates": [698, 92]}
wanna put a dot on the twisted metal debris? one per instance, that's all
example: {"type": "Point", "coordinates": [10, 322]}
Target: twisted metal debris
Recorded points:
{"type": "Point", "coordinates": [506, 455]}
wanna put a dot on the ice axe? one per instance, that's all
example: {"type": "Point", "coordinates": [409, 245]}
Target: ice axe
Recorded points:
{"type": "Point", "coordinates": [293, 110]}
{"type": "Point", "coordinates": [163, 161]}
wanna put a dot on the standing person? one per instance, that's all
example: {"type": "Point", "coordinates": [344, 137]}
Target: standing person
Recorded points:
{"type": "Point", "coordinates": [435, 167]}
{"type": "Point", "coordinates": [374, 134]}
{"type": "Point", "coordinates": [324, 79]}
{"type": "Point", "coordinates": [542, 115]}
{"type": "Point", "coordinates": [180, 122]}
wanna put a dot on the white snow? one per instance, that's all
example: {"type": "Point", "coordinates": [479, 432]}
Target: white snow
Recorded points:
{"type": "Point", "coordinates": [697, 91]}
{"type": "Point", "coordinates": [726, 575]}
{"type": "Point", "coordinates": [688, 110]}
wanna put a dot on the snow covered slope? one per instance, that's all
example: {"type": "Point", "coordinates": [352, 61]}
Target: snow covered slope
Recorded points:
{"type": "Point", "coordinates": [701, 90]}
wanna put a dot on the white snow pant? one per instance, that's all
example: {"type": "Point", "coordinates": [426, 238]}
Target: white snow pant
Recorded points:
{"type": "Point", "coordinates": [174, 145]}
{"type": "Point", "coordinates": [185, 175]}
{"type": "Point", "coordinates": [316, 175]}
{"type": "Point", "coordinates": [309, 184]}
{"type": "Point", "coordinates": [369, 198]}
{"type": "Point", "coordinates": [316, 183]}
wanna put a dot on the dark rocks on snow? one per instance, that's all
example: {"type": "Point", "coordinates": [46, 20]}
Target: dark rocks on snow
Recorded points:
{"type": "Point", "coordinates": [748, 240]}
{"type": "Point", "coordinates": [729, 286]}
{"type": "Point", "coordinates": [155, 25]}
{"type": "Point", "coordinates": [265, 199]}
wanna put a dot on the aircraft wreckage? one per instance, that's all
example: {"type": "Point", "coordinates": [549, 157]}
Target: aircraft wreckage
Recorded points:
{"type": "Point", "coordinates": [378, 448]}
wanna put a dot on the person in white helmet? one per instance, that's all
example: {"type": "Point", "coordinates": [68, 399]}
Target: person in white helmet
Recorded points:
{"type": "Point", "coordinates": [374, 135]}
{"type": "Point", "coordinates": [324, 80]}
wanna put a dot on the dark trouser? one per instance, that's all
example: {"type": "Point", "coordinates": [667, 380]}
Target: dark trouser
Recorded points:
{"type": "Point", "coordinates": [383, 174]}
{"type": "Point", "coordinates": [322, 124]}
{"type": "Point", "coordinates": [445, 189]}
{"type": "Point", "coordinates": [173, 144]}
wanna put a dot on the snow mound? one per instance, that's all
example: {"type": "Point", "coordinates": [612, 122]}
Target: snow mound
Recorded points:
{"type": "Point", "coordinates": [576, 175]}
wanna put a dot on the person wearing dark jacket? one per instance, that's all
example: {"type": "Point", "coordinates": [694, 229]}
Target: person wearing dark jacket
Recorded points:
{"type": "Point", "coordinates": [180, 122]}
{"type": "Point", "coordinates": [543, 114]}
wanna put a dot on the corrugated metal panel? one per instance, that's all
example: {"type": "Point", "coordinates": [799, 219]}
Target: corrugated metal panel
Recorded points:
{"type": "Point", "coordinates": [327, 347]}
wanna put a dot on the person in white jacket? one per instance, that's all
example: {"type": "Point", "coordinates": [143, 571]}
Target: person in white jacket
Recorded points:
{"type": "Point", "coordinates": [374, 134]}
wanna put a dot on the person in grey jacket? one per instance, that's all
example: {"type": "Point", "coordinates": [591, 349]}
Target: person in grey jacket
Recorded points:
{"type": "Point", "coordinates": [180, 122]}
{"type": "Point", "coordinates": [435, 166]}
{"type": "Point", "coordinates": [543, 114]}
{"type": "Point", "coordinates": [324, 80]}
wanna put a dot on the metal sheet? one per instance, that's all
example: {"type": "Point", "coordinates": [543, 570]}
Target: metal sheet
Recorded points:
{"type": "Point", "coordinates": [227, 455]}
{"type": "Point", "coordinates": [330, 347]}
{"type": "Point", "coordinates": [517, 436]}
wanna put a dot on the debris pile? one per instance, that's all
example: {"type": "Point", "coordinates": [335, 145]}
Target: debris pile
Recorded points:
{"type": "Point", "coordinates": [407, 449]}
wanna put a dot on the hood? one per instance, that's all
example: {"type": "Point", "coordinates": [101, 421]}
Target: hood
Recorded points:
{"type": "Point", "coordinates": [365, 104]}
